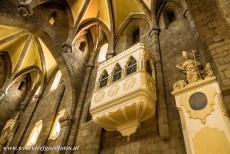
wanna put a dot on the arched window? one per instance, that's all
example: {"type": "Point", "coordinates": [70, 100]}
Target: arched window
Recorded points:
{"type": "Point", "coordinates": [102, 53]}
{"type": "Point", "coordinates": [52, 18]}
{"type": "Point", "coordinates": [135, 36]}
{"type": "Point", "coordinates": [33, 137]}
{"type": "Point", "coordinates": [169, 17]}
{"type": "Point", "coordinates": [56, 128]}
{"type": "Point", "coordinates": [21, 85]}
{"type": "Point", "coordinates": [117, 72]}
{"type": "Point", "coordinates": [82, 46]}
{"type": "Point", "coordinates": [56, 81]}
{"type": "Point", "coordinates": [148, 68]}
{"type": "Point", "coordinates": [104, 79]}
{"type": "Point", "coordinates": [131, 66]}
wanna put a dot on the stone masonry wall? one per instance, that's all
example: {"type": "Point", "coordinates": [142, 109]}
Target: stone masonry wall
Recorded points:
{"type": "Point", "coordinates": [146, 140]}
{"type": "Point", "coordinates": [215, 34]}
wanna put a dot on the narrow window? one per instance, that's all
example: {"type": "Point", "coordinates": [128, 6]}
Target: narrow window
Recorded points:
{"type": "Point", "coordinates": [52, 18]}
{"type": "Point", "coordinates": [132, 66]}
{"type": "Point", "coordinates": [148, 68]}
{"type": "Point", "coordinates": [135, 36]}
{"type": "Point", "coordinates": [56, 81]}
{"type": "Point", "coordinates": [117, 73]}
{"type": "Point", "coordinates": [104, 79]}
{"type": "Point", "coordinates": [102, 53]}
{"type": "Point", "coordinates": [169, 17]}
{"type": "Point", "coordinates": [21, 85]}
{"type": "Point", "coordinates": [56, 128]}
{"type": "Point", "coordinates": [82, 46]}
{"type": "Point", "coordinates": [33, 137]}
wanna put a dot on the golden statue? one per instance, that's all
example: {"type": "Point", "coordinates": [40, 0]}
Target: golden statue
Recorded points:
{"type": "Point", "coordinates": [190, 67]}
{"type": "Point", "coordinates": [208, 71]}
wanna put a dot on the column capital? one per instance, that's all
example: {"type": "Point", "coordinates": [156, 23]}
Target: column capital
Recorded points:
{"type": "Point", "coordinates": [186, 13]}
{"type": "Point", "coordinates": [67, 47]}
{"type": "Point", "coordinates": [154, 31]}
{"type": "Point", "coordinates": [89, 66]}
{"type": "Point", "coordinates": [66, 120]}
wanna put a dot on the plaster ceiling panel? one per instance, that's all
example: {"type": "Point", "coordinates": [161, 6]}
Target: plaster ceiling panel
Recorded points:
{"type": "Point", "coordinates": [98, 9]}
{"type": "Point", "coordinates": [122, 9]}
{"type": "Point", "coordinates": [14, 49]}
{"type": "Point", "coordinates": [25, 43]}
{"type": "Point", "coordinates": [49, 60]}
{"type": "Point", "coordinates": [32, 57]}
{"type": "Point", "coordinates": [76, 6]}
{"type": "Point", "coordinates": [148, 3]}
{"type": "Point", "coordinates": [6, 31]}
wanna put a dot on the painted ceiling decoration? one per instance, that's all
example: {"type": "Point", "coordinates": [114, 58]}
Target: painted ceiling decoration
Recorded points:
{"type": "Point", "coordinates": [110, 12]}
{"type": "Point", "coordinates": [25, 51]}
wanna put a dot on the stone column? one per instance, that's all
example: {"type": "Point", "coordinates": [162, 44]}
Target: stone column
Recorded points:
{"type": "Point", "coordinates": [161, 105]}
{"type": "Point", "coordinates": [80, 105]}
{"type": "Point", "coordinates": [205, 123]}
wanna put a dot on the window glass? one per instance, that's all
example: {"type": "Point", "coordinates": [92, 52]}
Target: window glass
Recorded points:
{"type": "Point", "coordinates": [104, 79]}
{"type": "Point", "coordinates": [132, 66]}
{"type": "Point", "coordinates": [56, 81]}
{"type": "Point", "coordinates": [33, 137]}
{"type": "Point", "coordinates": [102, 53]}
{"type": "Point", "coordinates": [56, 128]}
{"type": "Point", "coordinates": [117, 73]}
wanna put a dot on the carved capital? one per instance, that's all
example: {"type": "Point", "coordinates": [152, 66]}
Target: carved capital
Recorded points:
{"type": "Point", "coordinates": [24, 10]}
{"type": "Point", "coordinates": [186, 13]}
{"type": "Point", "coordinates": [66, 120]}
{"type": "Point", "coordinates": [89, 66]}
{"type": "Point", "coordinates": [67, 47]}
{"type": "Point", "coordinates": [154, 31]}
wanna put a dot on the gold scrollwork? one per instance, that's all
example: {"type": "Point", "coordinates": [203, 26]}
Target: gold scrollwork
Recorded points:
{"type": "Point", "coordinates": [200, 114]}
{"type": "Point", "coordinates": [129, 83]}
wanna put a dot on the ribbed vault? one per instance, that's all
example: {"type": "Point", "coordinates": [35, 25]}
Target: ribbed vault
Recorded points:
{"type": "Point", "coordinates": [113, 13]}
{"type": "Point", "coordinates": [25, 50]}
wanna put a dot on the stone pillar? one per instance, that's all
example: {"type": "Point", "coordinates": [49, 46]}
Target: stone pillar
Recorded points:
{"type": "Point", "coordinates": [205, 123]}
{"type": "Point", "coordinates": [81, 100]}
{"type": "Point", "coordinates": [161, 105]}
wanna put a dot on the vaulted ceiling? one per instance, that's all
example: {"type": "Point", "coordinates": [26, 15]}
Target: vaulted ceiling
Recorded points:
{"type": "Point", "coordinates": [112, 13]}
{"type": "Point", "coordinates": [25, 50]}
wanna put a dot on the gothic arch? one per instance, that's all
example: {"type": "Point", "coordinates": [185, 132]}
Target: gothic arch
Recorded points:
{"type": "Point", "coordinates": [5, 67]}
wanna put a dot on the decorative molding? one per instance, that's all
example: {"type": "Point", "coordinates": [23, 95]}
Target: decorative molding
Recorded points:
{"type": "Point", "coordinates": [129, 83]}
{"type": "Point", "coordinates": [113, 90]}
{"type": "Point", "coordinates": [203, 113]}
{"type": "Point", "coordinates": [99, 96]}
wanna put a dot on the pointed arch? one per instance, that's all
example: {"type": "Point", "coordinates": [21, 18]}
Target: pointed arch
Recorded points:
{"type": "Point", "coordinates": [34, 134]}
{"type": "Point", "coordinates": [117, 72]}
{"type": "Point", "coordinates": [5, 67]}
{"type": "Point", "coordinates": [103, 80]}
{"type": "Point", "coordinates": [131, 65]}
